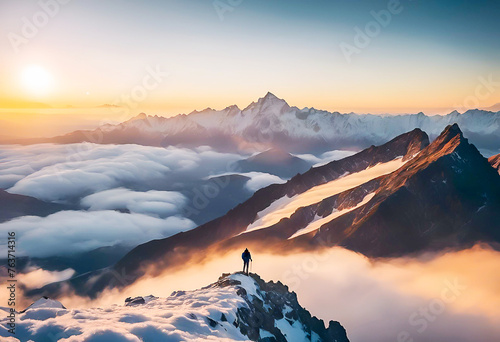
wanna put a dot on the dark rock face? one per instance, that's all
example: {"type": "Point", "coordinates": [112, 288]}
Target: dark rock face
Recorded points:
{"type": "Point", "coordinates": [134, 301]}
{"type": "Point", "coordinates": [274, 161]}
{"type": "Point", "coordinates": [140, 300]}
{"type": "Point", "coordinates": [406, 145]}
{"type": "Point", "coordinates": [278, 303]}
{"type": "Point", "coordinates": [18, 205]}
{"type": "Point", "coordinates": [446, 197]}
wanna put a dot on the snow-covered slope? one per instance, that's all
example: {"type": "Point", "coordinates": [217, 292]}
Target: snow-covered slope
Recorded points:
{"type": "Point", "coordinates": [286, 206]}
{"type": "Point", "coordinates": [235, 308]}
{"type": "Point", "coordinates": [271, 122]}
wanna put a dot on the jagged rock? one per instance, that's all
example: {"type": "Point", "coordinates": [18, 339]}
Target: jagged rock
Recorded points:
{"type": "Point", "coordinates": [139, 300]}
{"type": "Point", "coordinates": [212, 322]}
{"type": "Point", "coordinates": [224, 275]}
{"type": "Point", "coordinates": [134, 301]}
{"type": "Point", "coordinates": [272, 303]}
{"type": "Point", "coordinates": [262, 312]}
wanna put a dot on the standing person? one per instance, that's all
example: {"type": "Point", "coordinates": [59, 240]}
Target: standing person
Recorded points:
{"type": "Point", "coordinates": [246, 256]}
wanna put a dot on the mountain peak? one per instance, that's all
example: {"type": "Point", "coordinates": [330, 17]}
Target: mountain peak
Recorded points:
{"type": "Point", "coordinates": [241, 308]}
{"type": "Point", "coordinates": [453, 129]}
{"type": "Point", "coordinates": [269, 102]}
{"type": "Point", "coordinates": [270, 96]}
{"type": "Point", "coordinates": [274, 154]}
{"type": "Point", "coordinates": [450, 139]}
{"type": "Point", "coordinates": [450, 132]}
{"type": "Point", "coordinates": [232, 107]}
{"type": "Point", "coordinates": [494, 108]}
{"type": "Point", "coordinates": [279, 302]}
{"type": "Point", "coordinates": [140, 116]}
{"type": "Point", "coordinates": [45, 303]}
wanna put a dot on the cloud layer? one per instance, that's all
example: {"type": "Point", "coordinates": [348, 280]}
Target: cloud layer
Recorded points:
{"type": "Point", "coordinates": [125, 190]}
{"type": "Point", "coordinates": [152, 203]}
{"type": "Point", "coordinates": [67, 172]}
{"type": "Point", "coordinates": [449, 297]}
{"type": "Point", "coordinates": [68, 232]}
{"type": "Point", "coordinates": [143, 184]}
{"type": "Point", "coordinates": [325, 157]}
{"type": "Point", "coordinates": [37, 278]}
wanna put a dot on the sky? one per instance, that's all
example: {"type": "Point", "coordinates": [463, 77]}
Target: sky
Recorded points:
{"type": "Point", "coordinates": [175, 56]}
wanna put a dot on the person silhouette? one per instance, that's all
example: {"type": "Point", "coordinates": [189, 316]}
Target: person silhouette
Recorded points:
{"type": "Point", "coordinates": [246, 256]}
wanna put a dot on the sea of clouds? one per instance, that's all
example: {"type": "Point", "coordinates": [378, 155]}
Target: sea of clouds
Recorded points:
{"type": "Point", "coordinates": [452, 296]}
{"type": "Point", "coordinates": [126, 194]}
{"type": "Point", "coordinates": [116, 194]}
{"type": "Point", "coordinates": [119, 193]}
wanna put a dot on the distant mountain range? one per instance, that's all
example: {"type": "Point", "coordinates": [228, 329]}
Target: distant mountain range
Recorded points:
{"type": "Point", "coordinates": [494, 108]}
{"type": "Point", "coordinates": [271, 122]}
{"type": "Point", "coordinates": [401, 198]}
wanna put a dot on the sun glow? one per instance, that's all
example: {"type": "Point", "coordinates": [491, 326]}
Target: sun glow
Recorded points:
{"type": "Point", "coordinates": [36, 80]}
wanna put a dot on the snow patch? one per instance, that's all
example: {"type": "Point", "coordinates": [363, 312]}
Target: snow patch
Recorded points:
{"type": "Point", "coordinates": [320, 221]}
{"type": "Point", "coordinates": [286, 206]}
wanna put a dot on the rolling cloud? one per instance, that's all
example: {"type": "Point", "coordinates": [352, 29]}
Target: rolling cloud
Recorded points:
{"type": "Point", "coordinates": [259, 180]}
{"type": "Point", "coordinates": [37, 278]}
{"type": "Point", "coordinates": [65, 173]}
{"type": "Point", "coordinates": [68, 232]}
{"type": "Point", "coordinates": [443, 297]}
{"type": "Point", "coordinates": [129, 194]}
{"type": "Point", "coordinates": [152, 203]}
{"type": "Point", "coordinates": [325, 157]}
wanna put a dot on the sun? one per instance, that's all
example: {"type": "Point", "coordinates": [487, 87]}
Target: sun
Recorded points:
{"type": "Point", "coordinates": [37, 80]}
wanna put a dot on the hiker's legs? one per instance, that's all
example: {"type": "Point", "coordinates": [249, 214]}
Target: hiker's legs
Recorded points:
{"type": "Point", "coordinates": [245, 266]}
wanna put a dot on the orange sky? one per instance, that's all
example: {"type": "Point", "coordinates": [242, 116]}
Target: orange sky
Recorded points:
{"type": "Point", "coordinates": [173, 57]}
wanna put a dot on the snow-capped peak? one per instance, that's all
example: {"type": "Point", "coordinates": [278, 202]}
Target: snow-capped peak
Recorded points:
{"type": "Point", "coordinates": [271, 97]}
{"type": "Point", "coordinates": [45, 303]}
{"type": "Point", "coordinates": [140, 116]}
{"type": "Point", "coordinates": [271, 122]}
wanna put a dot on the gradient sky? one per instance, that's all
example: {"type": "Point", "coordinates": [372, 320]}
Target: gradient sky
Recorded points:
{"type": "Point", "coordinates": [429, 58]}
